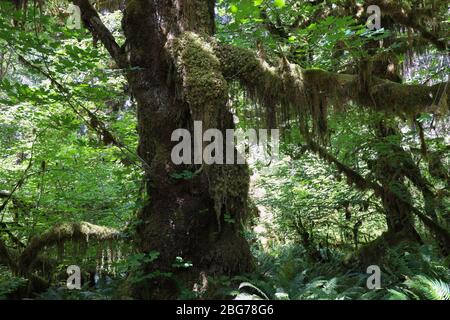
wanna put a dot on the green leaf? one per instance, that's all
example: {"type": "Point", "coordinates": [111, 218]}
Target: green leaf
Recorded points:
{"type": "Point", "coordinates": [279, 3]}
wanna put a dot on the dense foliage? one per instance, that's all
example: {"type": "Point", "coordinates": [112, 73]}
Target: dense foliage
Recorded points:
{"type": "Point", "coordinates": [72, 183]}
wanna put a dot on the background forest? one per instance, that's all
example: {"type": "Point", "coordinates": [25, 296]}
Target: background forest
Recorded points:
{"type": "Point", "coordinates": [363, 176]}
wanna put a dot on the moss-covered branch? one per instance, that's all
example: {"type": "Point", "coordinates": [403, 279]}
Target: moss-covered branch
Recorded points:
{"type": "Point", "coordinates": [311, 91]}
{"type": "Point", "coordinates": [416, 18]}
{"type": "Point", "coordinates": [82, 232]}
{"type": "Point", "coordinates": [354, 178]}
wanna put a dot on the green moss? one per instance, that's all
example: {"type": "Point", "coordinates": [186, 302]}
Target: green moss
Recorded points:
{"type": "Point", "coordinates": [205, 90]}
{"type": "Point", "coordinates": [203, 86]}
{"type": "Point", "coordinates": [229, 190]}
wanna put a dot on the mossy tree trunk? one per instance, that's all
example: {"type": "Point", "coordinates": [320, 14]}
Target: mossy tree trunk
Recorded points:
{"type": "Point", "coordinates": [176, 80]}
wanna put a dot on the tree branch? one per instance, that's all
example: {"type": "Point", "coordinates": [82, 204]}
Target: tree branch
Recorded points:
{"type": "Point", "coordinates": [289, 84]}
{"type": "Point", "coordinates": [408, 18]}
{"type": "Point", "coordinates": [82, 231]}
{"type": "Point", "coordinates": [5, 256]}
{"type": "Point", "coordinates": [92, 21]}
{"type": "Point", "coordinates": [354, 178]}
{"type": "Point", "coordinates": [4, 228]}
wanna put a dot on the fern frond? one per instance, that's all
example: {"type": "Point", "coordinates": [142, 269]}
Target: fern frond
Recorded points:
{"type": "Point", "coordinates": [432, 289]}
{"type": "Point", "coordinates": [261, 294]}
{"type": "Point", "coordinates": [397, 295]}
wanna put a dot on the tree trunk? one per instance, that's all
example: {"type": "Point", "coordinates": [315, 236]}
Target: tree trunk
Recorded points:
{"type": "Point", "coordinates": [182, 218]}
{"type": "Point", "coordinates": [400, 220]}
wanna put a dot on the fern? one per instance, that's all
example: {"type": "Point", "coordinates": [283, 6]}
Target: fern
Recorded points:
{"type": "Point", "coordinates": [246, 296]}
{"type": "Point", "coordinates": [9, 283]}
{"type": "Point", "coordinates": [397, 295]}
{"type": "Point", "coordinates": [432, 289]}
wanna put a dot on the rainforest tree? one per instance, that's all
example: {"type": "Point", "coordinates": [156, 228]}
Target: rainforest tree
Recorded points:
{"type": "Point", "coordinates": [182, 63]}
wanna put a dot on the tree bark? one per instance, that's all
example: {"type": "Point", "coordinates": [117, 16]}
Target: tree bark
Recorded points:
{"type": "Point", "coordinates": [387, 169]}
{"type": "Point", "coordinates": [183, 218]}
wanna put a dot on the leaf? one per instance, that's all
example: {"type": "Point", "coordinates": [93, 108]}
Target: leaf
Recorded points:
{"type": "Point", "coordinates": [279, 3]}
{"type": "Point", "coordinates": [249, 285]}
{"type": "Point", "coordinates": [246, 296]}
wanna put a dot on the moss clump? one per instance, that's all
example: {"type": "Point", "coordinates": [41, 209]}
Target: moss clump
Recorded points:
{"type": "Point", "coordinates": [261, 81]}
{"type": "Point", "coordinates": [203, 86]}
{"type": "Point", "coordinates": [229, 190]}
{"type": "Point", "coordinates": [410, 99]}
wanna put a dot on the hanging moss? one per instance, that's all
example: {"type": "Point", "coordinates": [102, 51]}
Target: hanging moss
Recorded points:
{"type": "Point", "coordinates": [287, 91]}
{"type": "Point", "coordinates": [229, 190]}
{"type": "Point", "coordinates": [205, 90]}
{"type": "Point", "coordinates": [410, 99]}
{"type": "Point", "coordinates": [78, 232]}
{"type": "Point", "coordinates": [283, 92]}
{"type": "Point", "coordinates": [310, 93]}
{"type": "Point", "coordinates": [5, 256]}
{"type": "Point", "coordinates": [260, 80]}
